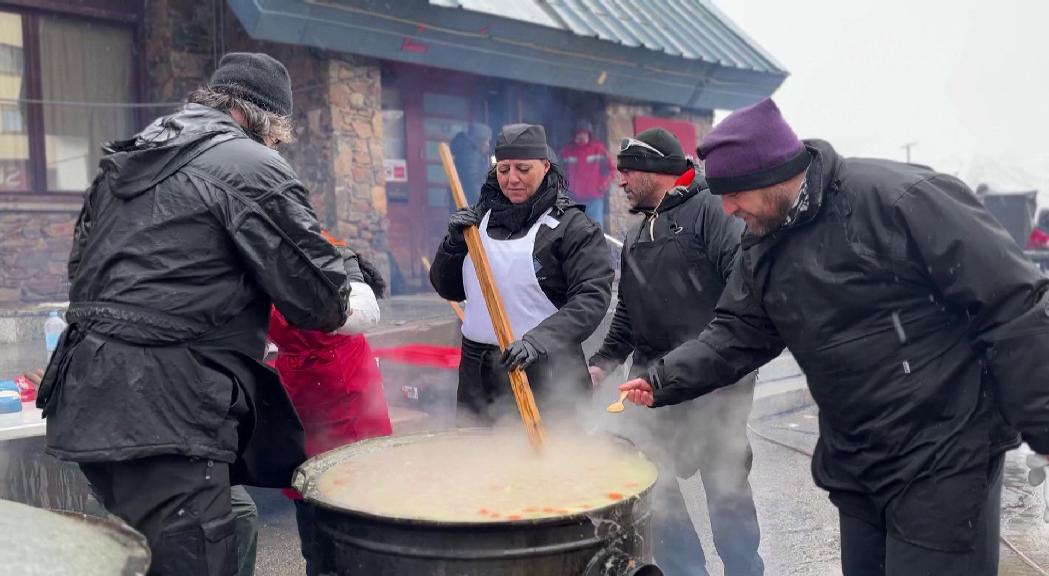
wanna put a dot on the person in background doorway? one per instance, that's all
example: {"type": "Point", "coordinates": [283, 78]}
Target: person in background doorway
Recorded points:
{"type": "Point", "coordinates": [471, 150]}
{"type": "Point", "coordinates": [1039, 239]}
{"type": "Point", "coordinates": [551, 265]}
{"type": "Point", "coordinates": [334, 383]}
{"type": "Point", "coordinates": [588, 169]}
{"type": "Point", "coordinates": [675, 263]}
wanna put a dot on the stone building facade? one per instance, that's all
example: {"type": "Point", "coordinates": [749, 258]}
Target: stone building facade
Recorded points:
{"type": "Point", "coordinates": [339, 130]}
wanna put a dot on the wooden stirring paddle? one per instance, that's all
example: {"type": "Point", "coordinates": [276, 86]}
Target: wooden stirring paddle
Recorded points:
{"type": "Point", "coordinates": [503, 331]}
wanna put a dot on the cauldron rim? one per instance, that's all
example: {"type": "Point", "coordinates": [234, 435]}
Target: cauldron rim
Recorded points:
{"type": "Point", "coordinates": [131, 539]}
{"type": "Point", "coordinates": [132, 542]}
{"type": "Point", "coordinates": [301, 476]}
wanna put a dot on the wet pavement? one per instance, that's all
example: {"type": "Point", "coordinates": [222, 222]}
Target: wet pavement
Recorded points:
{"type": "Point", "coordinates": [799, 525]}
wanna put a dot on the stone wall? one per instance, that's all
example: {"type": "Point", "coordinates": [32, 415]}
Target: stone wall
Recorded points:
{"type": "Point", "coordinates": [177, 40]}
{"type": "Point", "coordinates": [358, 175]}
{"type": "Point", "coordinates": [35, 249]}
{"type": "Point", "coordinates": [619, 119]}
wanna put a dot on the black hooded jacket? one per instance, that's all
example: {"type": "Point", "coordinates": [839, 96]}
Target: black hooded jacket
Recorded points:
{"type": "Point", "coordinates": [919, 325]}
{"type": "Point", "coordinates": [471, 163]}
{"type": "Point", "coordinates": [709, 242]}
{"type": "Point", "coordinates": [188, 233]}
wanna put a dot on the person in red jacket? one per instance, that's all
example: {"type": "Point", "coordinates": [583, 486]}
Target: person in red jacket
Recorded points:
{"type": "Point", "coordinates": [589, 170]}
{"type": "Point", "coordinates": [334, 384]}
{"type": "Point", "coordinates": [1039, 239]}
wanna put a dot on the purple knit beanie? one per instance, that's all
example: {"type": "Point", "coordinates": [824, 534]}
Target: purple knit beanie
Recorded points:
{"type": "Point", "coordinates": [752, 148]}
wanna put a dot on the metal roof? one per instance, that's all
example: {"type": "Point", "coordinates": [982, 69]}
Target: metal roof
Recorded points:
{"type": "Point", "coordinates": [690, 29]}
{"type": "Point", "coordinates": [676, 52]}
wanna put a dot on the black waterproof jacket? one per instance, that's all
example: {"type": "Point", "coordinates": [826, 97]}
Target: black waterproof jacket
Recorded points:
{"type": "Point", "coordinates": [187, 234]}
{"type": "Point", "coordinates": [574, 268]}
{"type": "Point", "coordinates": [678, 292]}
{"type": "Point", "coordinates": [918, 324]}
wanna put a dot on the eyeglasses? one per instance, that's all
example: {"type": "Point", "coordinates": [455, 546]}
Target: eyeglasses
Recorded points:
{"type": "Point", "coordinates": [629, 143]}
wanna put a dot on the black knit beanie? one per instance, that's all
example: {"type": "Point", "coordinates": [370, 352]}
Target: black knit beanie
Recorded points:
{"type": "Point", "coordinates": [521, 142]}
{"type": "Point", "coordinates": [654, 150]}
{"type": "Point", "coordinates": [258, 78]}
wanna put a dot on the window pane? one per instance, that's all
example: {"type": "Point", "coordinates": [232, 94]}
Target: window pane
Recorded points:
{"type": "Point", "coordinates": [445, 105]}
{"type": "Point", "coordinates": [435, 174]}
{"type": "Point", "coordinates": [442, 129]}
{"type": "Point", "coordinates": [438, 196]}
{"type": "Point", "coordinates": [393, 133]}
{"type": "Point", "coordinates": [14, 142]}
{"type": "Point", "coordinates": [82, 64]}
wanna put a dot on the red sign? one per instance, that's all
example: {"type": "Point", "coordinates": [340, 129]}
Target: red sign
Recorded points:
{"type": "Point", "coordinates": [685, 131]}
{"type": "Point", "coordinates": [396, 169]}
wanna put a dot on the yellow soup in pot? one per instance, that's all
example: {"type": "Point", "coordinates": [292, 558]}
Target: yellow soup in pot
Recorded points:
{"type": "Point", "coordinates": [487, 478]}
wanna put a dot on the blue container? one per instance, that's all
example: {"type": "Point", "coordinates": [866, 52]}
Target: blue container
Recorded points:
{"type": "Point", "coordinates": [10, 397]}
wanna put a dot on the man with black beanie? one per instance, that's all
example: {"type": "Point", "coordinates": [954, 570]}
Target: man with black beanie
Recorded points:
{"type": "Point", "coordinates": [157, 389]}
{"type": "Point", "coordinates": [675, 263]}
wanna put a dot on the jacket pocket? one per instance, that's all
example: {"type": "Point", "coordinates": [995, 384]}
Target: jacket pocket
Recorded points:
{"type": "Point", "coordinates": [207, 549]}
{"type": "Point", "coordinates": [220, 546]}
{"type": "Point", "coordinates": [56, 368]}
{"type": "Point", "coordinates": [215, 389]}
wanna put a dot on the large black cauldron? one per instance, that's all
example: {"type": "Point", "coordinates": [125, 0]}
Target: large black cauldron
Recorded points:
{"type": "Point", "coordinates": [36, 541]}
{"type": "Point", "coordinates": [609, 541]}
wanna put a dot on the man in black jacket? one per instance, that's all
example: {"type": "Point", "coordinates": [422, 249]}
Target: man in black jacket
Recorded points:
{"type": "Point", "coordinates": [471, 150]}
{"type": "Point", "coordinates": [920, 327]}
{"type": "Point", "coordinates": [157, 389]}
{"type": "Point", "coordinates": [675, 262]}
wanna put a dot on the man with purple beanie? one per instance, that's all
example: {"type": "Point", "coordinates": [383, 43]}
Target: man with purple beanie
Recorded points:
{"type": "Point", "coordinates": [920, 327]}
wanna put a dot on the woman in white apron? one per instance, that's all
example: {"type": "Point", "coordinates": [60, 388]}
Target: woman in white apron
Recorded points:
{"type": "Point", "coordinates": [553, 270]}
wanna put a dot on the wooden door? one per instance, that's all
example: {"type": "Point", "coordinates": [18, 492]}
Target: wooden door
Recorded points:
{"type": "Point", "coordinates": [436, 106]}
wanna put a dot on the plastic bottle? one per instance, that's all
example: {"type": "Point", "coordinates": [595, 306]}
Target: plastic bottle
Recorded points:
{"type": "Point", "coordinates": [53, 329]}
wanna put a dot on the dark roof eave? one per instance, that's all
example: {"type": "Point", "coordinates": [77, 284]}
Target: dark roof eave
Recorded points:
{"type": "Point", "coordinates": [578, 63]}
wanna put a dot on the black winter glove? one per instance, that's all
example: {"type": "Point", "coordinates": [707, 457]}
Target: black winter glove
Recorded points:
{"type": "Point", "coordinates": [459, 221]}
{"type": "Point", "coordinates": [520, 354]}
{"type": "Point", "coordinates": [372, 276]}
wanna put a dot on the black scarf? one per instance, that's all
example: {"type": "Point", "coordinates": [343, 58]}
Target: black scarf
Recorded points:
{"type": "Point", "coordinates": [514, 217]}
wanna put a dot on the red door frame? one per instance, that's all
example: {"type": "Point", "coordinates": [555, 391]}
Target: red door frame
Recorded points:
{"type": "Point", "coordinates": [425, 224]}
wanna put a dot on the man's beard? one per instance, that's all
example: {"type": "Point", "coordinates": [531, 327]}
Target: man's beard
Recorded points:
{"type": "Point", "coordinates": [644, 193]}
{"type": "Point", "coordinates": [779, 203]}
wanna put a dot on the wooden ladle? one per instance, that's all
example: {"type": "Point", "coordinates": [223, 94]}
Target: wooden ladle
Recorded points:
{"type": "Point", "coordinates": [617, 407]}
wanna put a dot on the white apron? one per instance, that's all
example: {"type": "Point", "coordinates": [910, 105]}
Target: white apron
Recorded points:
{"type": "Point", "coordinates": [514, 273]}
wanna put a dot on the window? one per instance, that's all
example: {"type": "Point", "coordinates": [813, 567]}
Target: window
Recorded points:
{"type": "Point", "coordinates": [64, 85]}
{"type": "Point", "coordinates": [14, 143]}
{"type": "Point", "coordinates": [11, 61]}
{"type": "Point", "coordinates": [11, 119]}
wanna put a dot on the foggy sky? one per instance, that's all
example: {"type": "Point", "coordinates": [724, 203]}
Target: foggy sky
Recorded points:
{"type": "Point", "coordinates": [968, 80]}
